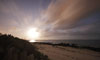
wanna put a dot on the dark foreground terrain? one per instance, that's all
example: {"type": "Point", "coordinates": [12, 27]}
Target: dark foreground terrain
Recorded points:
{"type": "Point", "coordinates": [12, 48]}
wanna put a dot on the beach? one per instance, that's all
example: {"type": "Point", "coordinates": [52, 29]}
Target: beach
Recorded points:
{"type": "Point", "coordinates": [67, 53]}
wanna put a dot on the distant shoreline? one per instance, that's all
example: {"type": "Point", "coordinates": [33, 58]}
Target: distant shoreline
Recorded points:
{"type": "Point", "coordinates": [71, 45]}
{"type": "Point", "coordinates": [91, 43]}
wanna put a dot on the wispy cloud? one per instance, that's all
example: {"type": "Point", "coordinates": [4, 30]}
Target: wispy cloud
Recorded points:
{"type": "Point", "coordinates": [64, 16]}
{"type": "Point", "coordinates": [66, 13]}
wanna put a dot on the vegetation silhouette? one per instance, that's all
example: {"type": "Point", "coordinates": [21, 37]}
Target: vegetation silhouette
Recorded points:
{"type": "Point", "coordinates": [13, 48]}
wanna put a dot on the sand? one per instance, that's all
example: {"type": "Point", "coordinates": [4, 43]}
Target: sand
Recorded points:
{"type": "Point", "coordinates": [67, 53]}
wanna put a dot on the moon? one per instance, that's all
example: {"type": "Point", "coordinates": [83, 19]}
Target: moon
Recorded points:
{"type": "Point", "coordinates": [33, 34]}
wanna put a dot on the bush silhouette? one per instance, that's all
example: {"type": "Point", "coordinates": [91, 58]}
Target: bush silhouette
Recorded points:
{"type": "Point", "coordinates": [9, 43]}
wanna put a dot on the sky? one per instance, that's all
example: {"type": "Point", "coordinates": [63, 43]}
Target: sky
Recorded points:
{"type": "Point", "coordinates": [54, 19]}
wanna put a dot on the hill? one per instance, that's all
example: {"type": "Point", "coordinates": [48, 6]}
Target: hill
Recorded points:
{"type": "Point", "coordinates": [13, 48]}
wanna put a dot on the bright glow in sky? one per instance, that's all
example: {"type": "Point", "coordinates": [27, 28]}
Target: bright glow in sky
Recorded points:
{"type": "Point", "coordinates": [32, 33]}
{"type": "Point", "coordinates": [55, 19]}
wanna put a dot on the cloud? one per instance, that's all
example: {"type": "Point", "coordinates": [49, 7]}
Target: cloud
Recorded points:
{"type": "Point", "coordinates": [73, 19]}
{"type": "Point", "coordinates": [61, 18]}
{"type": "Point", "coordinates": [67, 13]}
{"type": "Point", "coordinates": [13, 19]}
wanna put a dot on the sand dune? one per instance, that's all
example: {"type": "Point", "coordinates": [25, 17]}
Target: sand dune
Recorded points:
{"type": "Point", "coordinates": [67, 53]}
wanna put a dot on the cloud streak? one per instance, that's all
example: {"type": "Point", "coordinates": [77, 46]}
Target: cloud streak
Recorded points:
{"type": "Point", "coordinates": [16, 18]}
{"type": "Point", "coordinates": [72, 19]}
{"type": "Point", "coordinates": [66, 13]}
{"type": "Point", "coordinates": [59, 19]}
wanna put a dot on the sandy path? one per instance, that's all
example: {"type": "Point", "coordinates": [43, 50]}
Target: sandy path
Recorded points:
{"type": "Point", "coordinates": [67, 53]}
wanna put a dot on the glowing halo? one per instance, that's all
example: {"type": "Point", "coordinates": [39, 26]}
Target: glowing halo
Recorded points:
{"type": "Point", "coordinates": [32, 33]}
